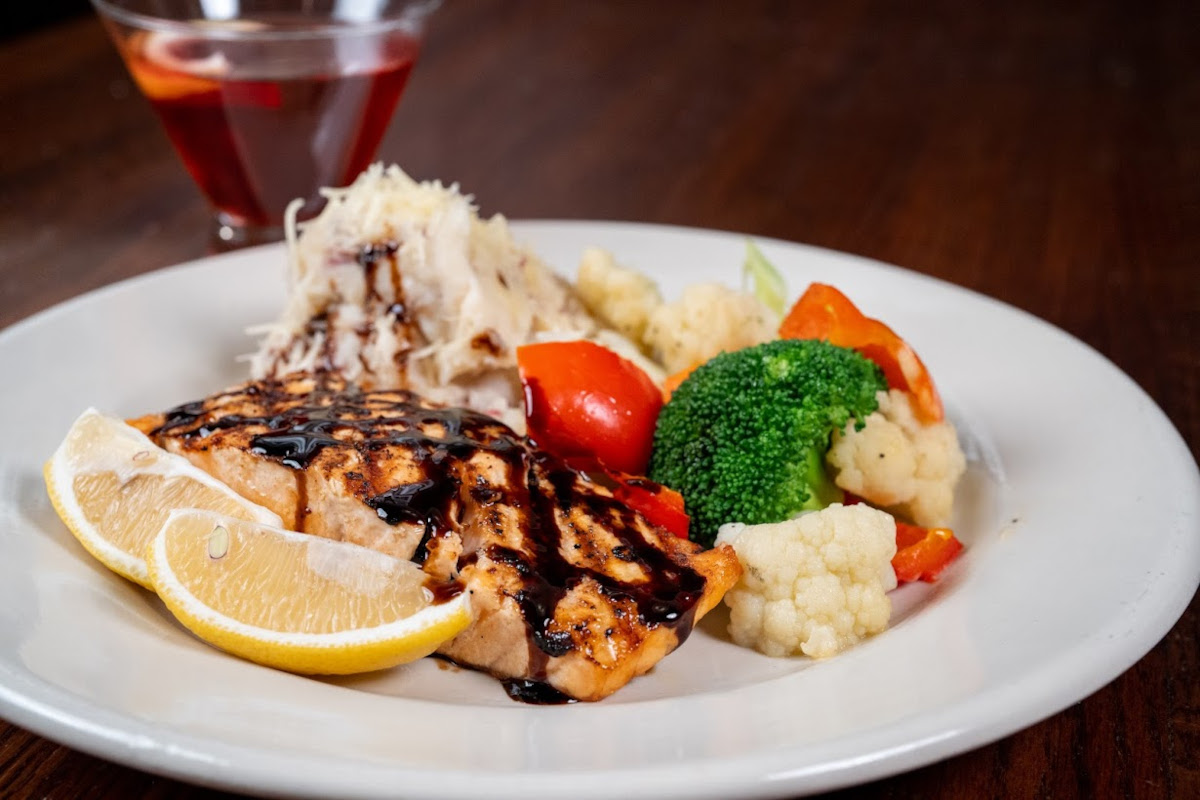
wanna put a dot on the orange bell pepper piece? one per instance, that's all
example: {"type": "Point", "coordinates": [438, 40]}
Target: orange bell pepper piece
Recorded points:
{"type": "Point", "coordinates": [922, 553]}
{"type": "Point", "coordinates": [672, 382]}
{"type": "Point", "coordinates": [823, 312]}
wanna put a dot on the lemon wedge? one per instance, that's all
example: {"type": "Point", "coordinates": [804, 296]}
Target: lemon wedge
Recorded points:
{"type": "Point", "coordinates": [113, 488]}
{"type": "Point", "coordinates": [294, 601]}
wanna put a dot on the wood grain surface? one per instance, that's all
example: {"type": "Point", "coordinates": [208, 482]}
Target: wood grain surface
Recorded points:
{"type": "Point", "coordinates": [1046, 154]}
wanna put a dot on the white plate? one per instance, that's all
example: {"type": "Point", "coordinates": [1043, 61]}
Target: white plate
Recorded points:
{"type": "Point", "coordinates": [1079, 512]}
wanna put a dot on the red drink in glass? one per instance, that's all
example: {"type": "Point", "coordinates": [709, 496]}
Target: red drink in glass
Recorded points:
{"type": "Point", "coordinates": [256, 132]}
{"type": "Point", "coordinates": [267, 101]}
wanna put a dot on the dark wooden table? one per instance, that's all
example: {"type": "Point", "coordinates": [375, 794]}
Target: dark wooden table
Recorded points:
{"type": "Point", "coordinates": [1049, 157]}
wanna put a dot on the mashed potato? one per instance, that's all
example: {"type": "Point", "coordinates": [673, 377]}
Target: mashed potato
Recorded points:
{"type": "Point", "coordinates": [399, 284]}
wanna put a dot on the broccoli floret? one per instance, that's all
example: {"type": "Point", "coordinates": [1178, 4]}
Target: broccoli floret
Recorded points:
{"type": "Point", "coordinates": [744, 438]}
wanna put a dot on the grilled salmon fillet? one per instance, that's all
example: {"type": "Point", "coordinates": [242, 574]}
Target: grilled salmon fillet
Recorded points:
{"type": "Point", "coordinates": [573, 593]}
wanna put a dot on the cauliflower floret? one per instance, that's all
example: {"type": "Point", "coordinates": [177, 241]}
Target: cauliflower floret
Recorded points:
{"type": "Point", "coordinates": [709, 318]}
{"type": "Point", "coordinates": [621, 298]}
{"type": "Point", "coordinates": [816, 584]}
{"type": "Point", "coordinates": [898, 462]}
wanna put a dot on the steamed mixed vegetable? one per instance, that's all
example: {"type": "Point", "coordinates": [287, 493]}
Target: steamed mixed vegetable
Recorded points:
{"type": "Point", "coordinates": [818, 448]}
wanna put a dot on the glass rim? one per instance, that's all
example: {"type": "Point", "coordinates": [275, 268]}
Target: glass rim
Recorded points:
{"type": "Point", "coordinates": [411, 15]}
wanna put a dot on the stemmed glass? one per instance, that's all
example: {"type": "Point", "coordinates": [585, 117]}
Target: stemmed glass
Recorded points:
{"type": "Point", "coordinates": [269, 100]}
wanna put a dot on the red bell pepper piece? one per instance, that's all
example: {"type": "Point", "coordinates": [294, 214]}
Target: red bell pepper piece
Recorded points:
{"type": "Point", "coordinates": [657, 503]}
{"type": "Point", "coordinates": [660, 505]}
{"type": "Point", "coordinates": [921, 553]}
